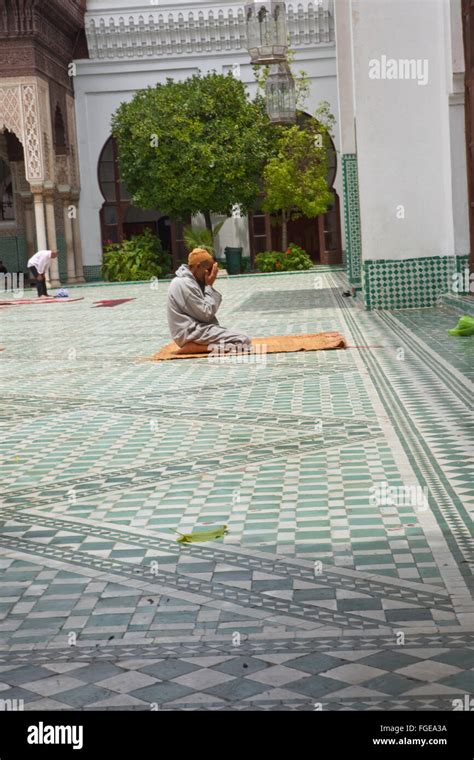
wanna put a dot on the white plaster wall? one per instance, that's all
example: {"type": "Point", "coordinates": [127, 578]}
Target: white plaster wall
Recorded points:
{"type": "Point", "coordinates": [345, 74]}
{"type": "Point", "coordinates": [455, 73]}
{"type": "Point", "coordinates": [403, 131]}
{"type": "Point", "coordinates": [101, 85]}
{"type": "Point", "coordinates": [459, 198]}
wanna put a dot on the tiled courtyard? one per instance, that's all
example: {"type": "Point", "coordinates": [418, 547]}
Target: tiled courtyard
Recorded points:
{"type": "Point", "coordinates": [330, 590]}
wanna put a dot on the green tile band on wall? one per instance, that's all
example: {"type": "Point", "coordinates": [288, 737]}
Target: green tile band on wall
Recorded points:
{"type": "Point", "coordinates": [92, 273]}
{"type": "Point", "coordinates": [62, 258]}
{"type": "Point", "coordinates": [13, 252]}
{"type": "Point", "coordinates": [352, 217]}
{"type": "Point", "coordinates": [462, 262]}
{"type": "Point", "coordinates": [409, 283]}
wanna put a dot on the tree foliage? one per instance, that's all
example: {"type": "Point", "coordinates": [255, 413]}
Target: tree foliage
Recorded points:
{"type": "Point", "coordinates": [192, 146]}
{"type": "Point", "coordinates": [295, 178]}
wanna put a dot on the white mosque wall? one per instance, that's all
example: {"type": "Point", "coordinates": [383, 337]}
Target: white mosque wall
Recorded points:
{"type": "Point", "coordinates": [409, 140]}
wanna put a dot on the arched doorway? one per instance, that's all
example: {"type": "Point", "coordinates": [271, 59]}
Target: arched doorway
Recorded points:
{"type": "Point", "coordinates": [16, 206]}
{"type": "Point", "coordinates": [120, 220]}
{"type": "Point", "coordinates": [320, 237]}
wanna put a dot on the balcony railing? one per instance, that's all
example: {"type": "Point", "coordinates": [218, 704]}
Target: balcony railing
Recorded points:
{"type": "Point", "coordinates": [158, 34]}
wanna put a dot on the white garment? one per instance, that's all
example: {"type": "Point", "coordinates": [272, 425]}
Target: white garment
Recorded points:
{"type": "Point", "coordinates": [41, 260]}
{"type": "Point", "coordinates": [192, 313]}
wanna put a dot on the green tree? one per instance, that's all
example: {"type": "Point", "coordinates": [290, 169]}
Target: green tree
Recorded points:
{"type": "Point", "coordinates": [193, 146]}
{"type": "Point", "coordinates": [294, 179]}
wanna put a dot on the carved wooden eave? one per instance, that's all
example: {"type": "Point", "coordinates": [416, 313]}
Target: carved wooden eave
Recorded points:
{"type": "Point", "coordinates": [24, 17]}
{"type": "Point", "coordinates": [41, 37]}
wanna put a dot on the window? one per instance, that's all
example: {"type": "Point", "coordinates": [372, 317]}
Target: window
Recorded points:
{"type": "Point", "coordinates": [60, 144]}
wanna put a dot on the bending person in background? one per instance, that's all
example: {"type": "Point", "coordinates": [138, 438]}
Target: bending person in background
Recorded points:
{"type": "Point", "coordinates": [38, 266]}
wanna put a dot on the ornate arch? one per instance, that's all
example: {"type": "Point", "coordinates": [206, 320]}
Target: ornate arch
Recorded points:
{"type": "Point", "coordinates": [20, 114]}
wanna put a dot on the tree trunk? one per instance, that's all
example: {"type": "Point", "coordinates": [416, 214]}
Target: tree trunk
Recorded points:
{"type": "Point", "coordinates": [284, 231]}
{"type": "Point", "coordinates": [207, 217]}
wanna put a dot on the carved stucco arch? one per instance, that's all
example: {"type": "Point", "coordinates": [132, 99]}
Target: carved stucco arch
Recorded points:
{"type": "Point", "coordinates": [20, 113]}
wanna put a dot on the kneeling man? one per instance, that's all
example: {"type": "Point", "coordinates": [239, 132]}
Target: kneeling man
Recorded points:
{"type": "Point", "coordinates": [192, 307]}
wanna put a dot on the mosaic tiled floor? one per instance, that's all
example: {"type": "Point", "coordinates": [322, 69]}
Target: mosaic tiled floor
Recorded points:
{"type": "Point", "coordinates": [344, 477]}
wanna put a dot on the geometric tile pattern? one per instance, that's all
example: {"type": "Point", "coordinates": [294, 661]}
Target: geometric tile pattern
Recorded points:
{"type": "Point", "coordinates": [319, 593]}
{"type": "Point", "coordinates": [426, 673]}
{"type": "Point", "coordinates": [14, 252]}
{"type": "Point", "coordinates": [408, 283]}
{"type": "Point", "coordinates": [434, 429]}
{"type": "Point", "coordinates": [352, 217]}
{"type": "Point", "coordinates": [92, 272]}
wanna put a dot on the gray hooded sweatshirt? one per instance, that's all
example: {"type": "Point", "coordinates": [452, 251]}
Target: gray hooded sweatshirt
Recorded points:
{"type": "Point", "coordinates": [192, 313]}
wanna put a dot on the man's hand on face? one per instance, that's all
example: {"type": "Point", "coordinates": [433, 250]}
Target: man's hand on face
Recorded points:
{"type": "Point", "coordinates": [211, 275]}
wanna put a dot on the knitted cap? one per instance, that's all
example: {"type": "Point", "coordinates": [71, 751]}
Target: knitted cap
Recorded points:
{"type": "Point", "coordinates": [198, 256]}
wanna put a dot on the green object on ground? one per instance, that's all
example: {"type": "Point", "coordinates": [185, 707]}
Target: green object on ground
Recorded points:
{"type": "Point", "coordinates": [464, 327]}
{"type": "Point", "coordinates": [202, 535]}
{"type": "Point", "coordinates": [233, 258]}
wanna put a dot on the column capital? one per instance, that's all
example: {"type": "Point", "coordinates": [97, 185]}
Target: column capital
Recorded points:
{"type": "Point", "coordinates": [37, 191]}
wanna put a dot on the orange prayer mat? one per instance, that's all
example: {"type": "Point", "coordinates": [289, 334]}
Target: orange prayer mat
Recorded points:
{"type": "Point", "coordinates": [276, 344]}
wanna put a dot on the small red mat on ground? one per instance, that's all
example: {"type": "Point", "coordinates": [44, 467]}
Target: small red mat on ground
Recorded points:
{"type": "Point", "coordinates": [275, 344]}
{"type": "Point", "coordinates": [37, 301]}
{"type": "Point", "coordinates": [112, 302]}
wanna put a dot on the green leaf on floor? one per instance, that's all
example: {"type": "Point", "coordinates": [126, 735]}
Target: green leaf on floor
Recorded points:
{"type": "Point", "coordinates": [465, 326]}
{"type": "Point", "coordinates": [202, 535]}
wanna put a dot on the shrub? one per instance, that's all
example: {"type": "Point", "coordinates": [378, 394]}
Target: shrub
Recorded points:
{"type": "Point", "coordinates": [139, 258]}
{"type": "Point", "coordinates": [201, 237]}
{"type": "Point", "coordinates": [293, 259]}
{"type": "Point", "coordinates": [245, 265]}
{"type": "Point", "coordinates": [198, 237]}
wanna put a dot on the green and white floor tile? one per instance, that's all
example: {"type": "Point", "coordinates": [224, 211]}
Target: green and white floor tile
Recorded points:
{"type": "Point", "coordinates": [318, 593]}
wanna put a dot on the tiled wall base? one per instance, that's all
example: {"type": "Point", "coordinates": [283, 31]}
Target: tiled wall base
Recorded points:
{"type": "Point", "coordinates": [462, 263]}
{"type": "Point", "coordinates": [352, 218]}
{"type": "Point", "coordinates": [93, 273]}
{"type": "Point", "coordinates": [409, 283]}
{"type": "Point", "coordinates": [62, 259]}
{"type": "Point", "coordinates": [13, 252]}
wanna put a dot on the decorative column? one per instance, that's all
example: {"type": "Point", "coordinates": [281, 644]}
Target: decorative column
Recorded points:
{"type": "Point", "coordinates": [76, 233]}
{"type": "Point", "coordinates": [51, 228]}
{"type": "Point", "coordinates": [37, 191]}
{"type": "Point", "coordinates": [68, 234]}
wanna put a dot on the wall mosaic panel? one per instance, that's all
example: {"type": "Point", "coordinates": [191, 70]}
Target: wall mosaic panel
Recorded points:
{"type": "Point", "coordinates": [408, 283]}
{"type": "Point", "coordinates": [352, 217]}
